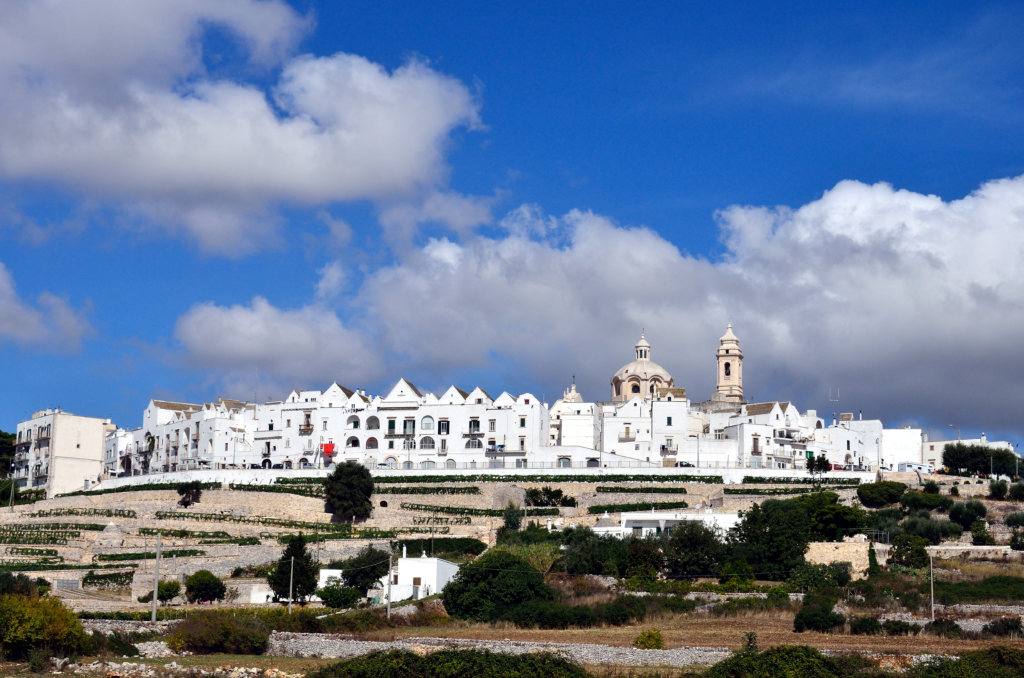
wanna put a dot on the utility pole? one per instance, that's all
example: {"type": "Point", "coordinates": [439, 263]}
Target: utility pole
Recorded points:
{"type": "Point", "coordinates": [11, 502]}
{"type": "Point", "coordinates": [291, 581]}
{"type": "Point", "coordinates": [389, 587]}
{"type": "Point", "coordinates": [156, 575]}
{"type": "Point", "coordinates": [931, 569]}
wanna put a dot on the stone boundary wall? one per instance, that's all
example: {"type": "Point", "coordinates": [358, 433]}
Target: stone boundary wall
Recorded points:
{"type": "Point", "coordinates": [855, 553]}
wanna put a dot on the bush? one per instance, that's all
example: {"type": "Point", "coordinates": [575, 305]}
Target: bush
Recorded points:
{"type": "Point", "coordinates": [348, 491]}
{"type": "Point", "coordinates": [772, 537]}
{"type": "Point", "coordinates": [694, 549]}
{"type": "Point", "coordinates": [817, 615]}
{"type": "Point", "coordinates": [809, 576]}
{"type": "Point", "coordinates": [990, 589]}
{"type": "Point", "coordinates": [915, 501]}
{"type": "Point", "coordinates": [590, 553]}
{"type": "Point", "coordinates": [459, 545]}
{"type": "Point", "coordinates": [1016, 491]}
{"type": "Point", "coordinates": [622, 610]}
{"type": "Point", "coordinates": [207, 632]}
{"type": "Point", "coordinates": [339, 597]}
{"type": "Point", "coordinates": [980, 535]}
{"type": "Point", "coordinates": [1006, 626]}
{"type": "Point", "coordinates": [166, 592]}
{"type": "Point", "coordinates": [965, 513]}
{"type": "Point", "coordinates": [1017, 541]}
{"type": "Point", "coordinates": [476, 663]}
{"type": "Point", "coordinates": [909, 551]}
{"type": "Point", "coordinates": [487, 588]}
{"type": "Point", "coordinates": [935, 531]}
{"type": "Point", "coordinates": [931, 487]}
{"type": "Point", "coordinates": [19, 585]}
{"type": "Point", "coordinates": [31, 622]}
{"type": "Point", "coordinates": [784, 660]}
{"type": "Point", "coordinates": [897, 627]}
{"type": "Point", "coordinates": [876, 495]}
{"type": "Point", "coordinates": [548, 614]}
{"type": "Point", "coordinates": [1015, 519]}
{"type": "Point", "coordinates": [205, 587]}
{"type": "Point", "coordinates": [649, 640]}
{"type": "Point", "coordinates": [865, 626]}
{"type": "Point", "coordinates": [116, 644]}
{"type": "Point", "coordinates": [190, 493]}
{"type": "Point", "coordinates": [944, 628]}
{"type": "Point", "coordinates": [954, 491]}
{"type": "Point", "coordinates": [997, 489]}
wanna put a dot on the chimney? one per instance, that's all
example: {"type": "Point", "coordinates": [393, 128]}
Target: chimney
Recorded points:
{"type": "Point", "coordinates": [861, 415]}
{"type": "Point", "coordinates": [403, 550]}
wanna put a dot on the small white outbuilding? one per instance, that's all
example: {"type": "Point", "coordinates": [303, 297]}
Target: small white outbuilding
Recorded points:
{"type": "Point", "coordinates": [417, 578]}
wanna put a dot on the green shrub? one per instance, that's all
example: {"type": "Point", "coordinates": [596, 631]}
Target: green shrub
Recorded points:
{"type": "Point", "coordinates": [1006, 626]}
{"type": "Point", "coordinates": [111, 580]}
{"type": "Point", "coordinates": [1016, 491]}
{"type": "Point", "coordinates": [980, 535]}
{"type": "Point", "coordinates": [31, 622]}
{"type": "Point", "coordinates": [649, 640]}
{"type": "Point", "coordinates": [339, 597]}
{"type": "Point", "coordinates": [997, 489]}
{"type": "Point", "coordinates": [1015, 519]}
{"type": "Point", "coordinates": [865, 626]}
{"type": "Point", "coordinates": [348, 490]}
{"type": "Point", "coordinates": [1017, 541]}
{"type": "Point", "coordinates": [897, 627]}
{"type": "Point", "coordinates": [622, 610]}
{"type": "Point", "coordinates": [459, 545]}
{"type": "Point", "coordinates": [209, 632]}
{"type": "Point", "coordinates": [909, 550]}
{"type": "Point", "coordinates": [39, 659]}
{"type": "Point", "coordinates": [694, 549]}
{"type": "Point", "coordinates": [205, 587]}
{"type": "Point", "coordinates": [361, 572]}
{"type": "Point", "coordinates": [166, 592]}
{"type": "Point", "coordinates": [548, 614]}
{"type": "Point", "coordinates": [914, 501]}
{"type": "Point", "coordinates": [954, 491]}
{"type": "Point", "coordinates": [789, 661]}
{"type": "Point", "coordinates": [876, 495]}
{"type": "Point", "coordinates": [646, 506]}
{"type": "Point", "coordinates": [944, 628]}
{"type": "Point", "coordinates": [817, 615]}
{"type": "Point", "coordinates": [623, 489]}
{"type": "Point", "coordinates": [452, 663]}
{"type": "Point", "coordinates": [19, 585]}
{"type": "Point", "coordinates": [935, 531]}
{"type": "Point", "coordinates": [965, 513]}
{"type": "Point", "coordinates": [493, 584]}
{"type": "Point", "coordinates": [931, 487]}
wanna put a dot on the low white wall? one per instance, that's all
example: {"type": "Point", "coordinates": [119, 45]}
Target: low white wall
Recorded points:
{"type": "Point", "coordinates": [268, 476]}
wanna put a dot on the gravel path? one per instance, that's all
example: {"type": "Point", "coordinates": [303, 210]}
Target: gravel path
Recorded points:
{"type": "Point", "coordinates": [329, 645]}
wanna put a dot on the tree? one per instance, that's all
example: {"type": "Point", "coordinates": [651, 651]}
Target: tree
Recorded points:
{"type": "Point", "coordinates": [302, 580]}
{"type": "Point", "coordinates": [963, 459]}
{"type": "Point", "coordinates": [337, 596]}
{"type": "Point", "coordinates": [166, 591]}
{"type": "Point", "coordinates": [512, 517]}
{"type": "Point", "coordinates": [997, 489]}
{"type": "Point", "coordinates": [204, 587]}
{"type": "Point", "coordinates": [694, 550]}
{"type": "Point", "coordinates": [590, 553]}
{"type": "Point", "coordinates": [348, 491]}
{"type": "Point", "coordinates": [835, 521]}
{"type": "Point", "coordinates": [490, 586]}
{"type": "Point", "coordinates": [817, 467]}
{"type": "Point", "coordinates": [772, 537]}
{"type": "Point", "coordinates": [644, 558]}
{"type": "Point", "coordinates": [363, 570]}
{"type": "Point", "coordinates": [966, 513]}
{"type": "Point", "coordinates": [877, 495]}
{"type": "Point", "coordinates": [190, 493]}
{"type": "Point", "coordinates": [909, 550]}
{"type": "Point", "coordinates": [6, 454]}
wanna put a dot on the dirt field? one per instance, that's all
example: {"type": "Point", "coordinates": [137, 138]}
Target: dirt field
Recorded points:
{"type": "Point", "coordinates": [727, 632]}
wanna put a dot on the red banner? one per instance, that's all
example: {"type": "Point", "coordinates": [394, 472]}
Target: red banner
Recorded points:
{"type": "Point", "coordinates": [328, 449]}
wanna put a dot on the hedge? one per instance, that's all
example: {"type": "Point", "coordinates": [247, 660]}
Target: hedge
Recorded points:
{"type": "Point", "coordinates": [36, 527]}
{"type": "Point", "coordinates": [36, 567]}
{"type": "Point", "coordinates": [615, 489]}
{"type": "Point", "coordinates": [137, 488]}
{"type": "Point", "coordinates": [619, 508]}
{"type": "Point", "coordinates": [149, 555]}
{"type": "Point", "coordinates": [800, 481]}
{"type": "Point", "coordinates": [32, 552]}
{"type": "Point", "coordinates": [426, 490]}
{"type": "Point", "coordinates": [769, 491]}
{"type": "Point", "coordinates": [465, 511]}
{"type": "Point", "coordinates": [876, 495]}
{"type": "Point", "coordinates": [441, 545]}
{"type": "Point", "coordinates": [107, 513]}
{"type": "Point", "coordinates": [444, 520]}
{"type": "Point", "coordinates": [919, 500]}
{"type": "Point", "coordinates": [161, 615]}
{"type": "Point", "coordinates": [317, 492]}
{"type": "Point", "coordinates": [257, 520]}
{"type": "Point", "coordinates": [184, 534]}
{"type": "Point", "coordinates": [111, 580]}
{"type": "Point", "coordinates": [239, 541]}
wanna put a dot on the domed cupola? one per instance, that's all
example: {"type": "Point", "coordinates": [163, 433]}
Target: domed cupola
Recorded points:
{"type": "Point", "coordinates": [640, 378]}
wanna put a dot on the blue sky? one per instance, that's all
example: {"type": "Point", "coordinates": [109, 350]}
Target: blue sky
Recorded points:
{"type": "Point", "coordinates": [505, 196]}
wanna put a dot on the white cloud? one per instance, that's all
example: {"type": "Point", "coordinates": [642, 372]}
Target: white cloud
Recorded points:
{"type": "Point", "coordinates": [53, 324]}
{"type": "Point", "coordinates": [912, 305]}
{"type": "Point", "coordinates": [110, 99]}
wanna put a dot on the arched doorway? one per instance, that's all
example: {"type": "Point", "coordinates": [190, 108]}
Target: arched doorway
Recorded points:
{"type": "Point", "coordinates": [266, 463]}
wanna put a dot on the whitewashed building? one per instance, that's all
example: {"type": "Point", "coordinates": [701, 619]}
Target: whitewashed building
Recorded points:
{"type": "Point", "coordinates": [59, 452]}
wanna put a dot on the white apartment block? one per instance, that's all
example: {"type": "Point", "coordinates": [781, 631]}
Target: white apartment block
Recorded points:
{"type": "Point", "coordinates": [59, 452]}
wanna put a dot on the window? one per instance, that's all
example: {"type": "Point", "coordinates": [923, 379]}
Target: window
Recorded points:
{"type": "Point", "coordinates": [427, 443]}
{"type": "Point", "coordinates": [391, 427]}
{"type": "Point", "coordinates": [450, 463]}
{"type": "Point", "coordinates": [372, 424]}
{"type": "Point", "coordinates": [728, 370]}
{"type": "Point", "coordinates": [490, 425]}
{"type": "Point", "coordinates": [226, 445]}
{"type": "Point", "coordinates": [444, 443]}
{"type": "Point", "coordinates": [522, 443]}
{"type": "Point", "coordinates": [288, 423]}
{"type": "Point", "coordinates": [479, 401]}
{"type": "Point", "coordinates": [428, 464]}
{"type": "Point", "coordinates": [409, 444]}
{"type": "Point", "coordinates": [527, 401]}
{"type": "Point", "coordinates": [324, 428]}
{"type": "Point", "coordinates": [442, 427]}
{"type": "Point", "coordinates": [427, 424]}
{"type": "Point", "coordinates": [474, 444]}
{"type": "Point", "coordinates": [269, 428]}
{"type": "Point", "coordinates": [287, 443]}
{"type": "Point", "coordinates": [371, 443]}
{"type": "Point", "coordinates": [636, 388]}
{"type": "Point", "coordinates": [668, 422]}
{"type": "Point", "coordinates": [409, 427]}
{"type": "Point", "coordinates": [352, 442]}
{"type": "Point", "coordinates": [391, 444]}
{"type": "Point", "coordinates": [416, 581]}
{"type": "Point", "coordinates": [564, 462]}
{"type": "Point", "coordinates": [847, 444]}
{"type": "Point", "coordinates": [474, 426]}
{"type": "Point", "coordinates": [522, 422]}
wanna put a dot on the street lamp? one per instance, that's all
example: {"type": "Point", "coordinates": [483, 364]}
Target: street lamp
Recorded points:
{"type": "Point", "coordinates": [957, 432]}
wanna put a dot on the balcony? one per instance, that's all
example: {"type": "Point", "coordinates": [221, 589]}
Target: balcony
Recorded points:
{"type": "Point", "coordinates": [305, 429]}
{"type": "Point", "coordinates": [627, 437]}
{"type": "Point", "coordinates": [669, 449]}
{"type": "Point", "coordinates": [755, 452]}
{"type": "Point", "coordinates": [473, 434]}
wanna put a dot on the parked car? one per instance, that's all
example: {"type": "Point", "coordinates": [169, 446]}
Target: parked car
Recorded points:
{"type": "Point", "coordinates": [684, 464]}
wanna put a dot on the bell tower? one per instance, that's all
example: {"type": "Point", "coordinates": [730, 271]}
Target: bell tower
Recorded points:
{"type": "Point", "coordinates": [730, 369]}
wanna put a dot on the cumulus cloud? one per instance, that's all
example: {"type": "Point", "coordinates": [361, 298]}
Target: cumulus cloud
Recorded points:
{"type": "Point", "coordinates": [51, 324]}
{"type": "Point", "coordinates": [111, 99]}
{"type": "Point", "coordinates": [910, 304]}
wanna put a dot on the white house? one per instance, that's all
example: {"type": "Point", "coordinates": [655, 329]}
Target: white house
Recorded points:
{"type": "Point", "coordinates": [418, 577]}
{"type": "Point", "coordinates": [646, 523]}
{"type": "Point", "coordinates": [59, 452]}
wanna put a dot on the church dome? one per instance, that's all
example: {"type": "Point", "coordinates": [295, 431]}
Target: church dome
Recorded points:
{"type": "Point", "coordinates": [641, 376]}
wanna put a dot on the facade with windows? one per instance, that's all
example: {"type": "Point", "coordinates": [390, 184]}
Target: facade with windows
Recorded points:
{"type": "Point", "coordinates": [59, 452]}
